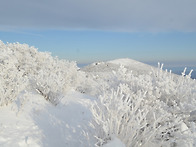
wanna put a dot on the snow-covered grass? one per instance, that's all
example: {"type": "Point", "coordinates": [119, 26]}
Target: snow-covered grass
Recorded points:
{"type": "Point", "coordinates": [49, 102]}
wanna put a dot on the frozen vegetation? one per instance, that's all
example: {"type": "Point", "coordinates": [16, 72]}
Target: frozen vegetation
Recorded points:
{"type": "Point", "coordinates": [47, 102]}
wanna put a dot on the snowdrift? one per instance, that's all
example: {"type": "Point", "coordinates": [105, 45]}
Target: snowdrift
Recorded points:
{"type": "Point", "coordinates": [49, 102]}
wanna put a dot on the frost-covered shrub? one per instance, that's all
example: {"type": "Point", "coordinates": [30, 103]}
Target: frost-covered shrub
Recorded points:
{"type": "Point", "coordinates": [55, 78]}
{"type": "Point", "coordinates": [96, 82]}
{"type": "Point", "coordinates": [178, 92]}
{"type": "Point", "coordinates": [47, 75]}
{"type": "Point", "coordinates": [136, 121]}
{"type": "Point", "coordinates": [12, 81]}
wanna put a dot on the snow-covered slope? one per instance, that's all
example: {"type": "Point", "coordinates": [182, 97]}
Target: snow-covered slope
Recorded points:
{"type": "Point", "coordinates": [135, 66]}
{"type": "Point", "coordinates": [48, 102]}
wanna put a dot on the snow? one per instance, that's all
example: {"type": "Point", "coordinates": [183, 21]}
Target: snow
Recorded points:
{"type": "Point", "coordinates": [115, 142]}
{"type": "Point", "coordinates": [39, 123]}
{"type": "Point", "coordinates": [135, 66]}
{"type": "Point", "coordinates": [46, 102]}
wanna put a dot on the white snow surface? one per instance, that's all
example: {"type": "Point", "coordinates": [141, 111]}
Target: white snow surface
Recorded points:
{"type": "Point", "coordinates": [47, 102]}
{"type": "Point", "coordinates": [115, 142]}
{"type": "Point", "coordinates": [36, 122]}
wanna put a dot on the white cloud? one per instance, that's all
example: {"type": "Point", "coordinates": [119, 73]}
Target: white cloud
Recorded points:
{"type": "Point", "coordinates": [114, 15]}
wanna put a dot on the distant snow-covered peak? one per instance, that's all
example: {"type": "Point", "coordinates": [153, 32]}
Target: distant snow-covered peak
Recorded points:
{"type": "Point", "coordinates": [129, 63]}
{"type": "Point", "coordinates": [113, 65]}
{"type": "Point", "coordinates": [124, 61]}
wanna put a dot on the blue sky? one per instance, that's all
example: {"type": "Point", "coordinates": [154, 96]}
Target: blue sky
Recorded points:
{"type": "Point", "coordinates": [88, 31]}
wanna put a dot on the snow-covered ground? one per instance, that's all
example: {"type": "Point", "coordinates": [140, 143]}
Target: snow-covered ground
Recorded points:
{"type": "Point", "coordinates": [33, 121]}
{"type": "Point", "coordinates": [47, 102]}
